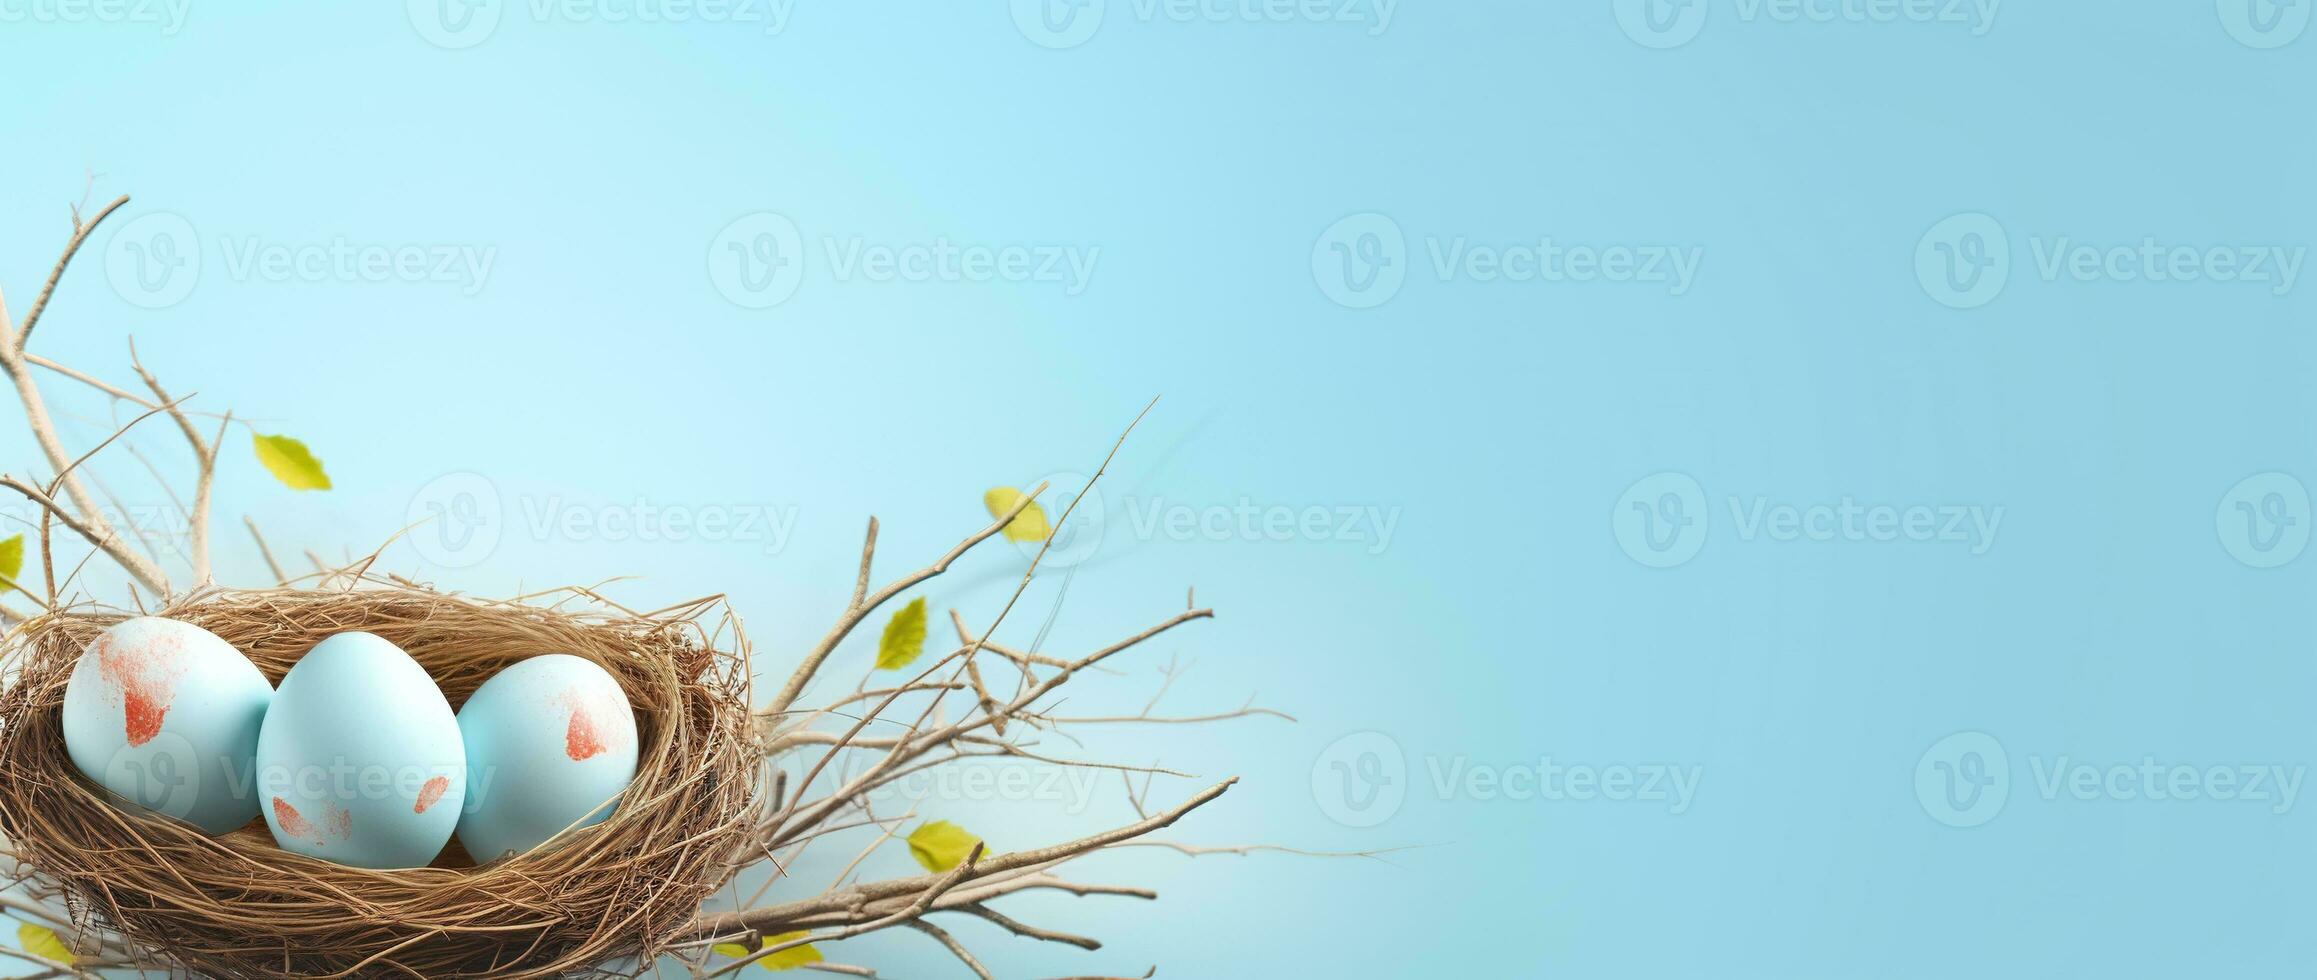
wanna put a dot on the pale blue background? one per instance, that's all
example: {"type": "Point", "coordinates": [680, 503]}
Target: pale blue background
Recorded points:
{"type": "Point", "coordinates": [1501, 421]}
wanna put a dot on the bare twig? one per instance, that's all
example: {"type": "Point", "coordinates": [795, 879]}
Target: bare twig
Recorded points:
{"type": "Point", "coordinates": [80, 233]}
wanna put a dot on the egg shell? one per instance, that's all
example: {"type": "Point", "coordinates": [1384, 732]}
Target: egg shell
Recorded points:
{"type": "Point", "coordinates": [165, 715]}
{"type": "Point", "coordinates": [549, 740]}
{"type": "Point", "coordinates": [360, 761]}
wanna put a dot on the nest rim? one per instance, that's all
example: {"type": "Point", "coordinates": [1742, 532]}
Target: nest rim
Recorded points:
{"type": "Point", "coordinates": [238, 905]}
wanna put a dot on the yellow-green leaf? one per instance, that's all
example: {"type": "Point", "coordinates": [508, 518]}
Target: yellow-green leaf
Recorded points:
{"type": "Point", "coordinates": [41, 941]}
{"type": "Point", "coordinates": [11, 561]}
{"type": "Point", "coordinates": [787, 959]}
{"type": "Point", "coordinates": [941, 845]}
{"type": "Point", "coordinates": [1029, 525]}
{"type": "Point", "coordinates": [904, 636]}
{"type": "Point", "coordinates": [290, 462]}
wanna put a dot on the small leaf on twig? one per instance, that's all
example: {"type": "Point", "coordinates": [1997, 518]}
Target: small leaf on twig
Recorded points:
{"type": "Point", "coordinates": [290, 462]}
{"type": "Point", "coordinates": [1029, 525]}
{"type": "Point", "coordinates": [787, 959]}
{"type": "Point", "coordinates": [11, 561]}
{"type": "Point", "coordinates": [941, 845]}
{"type": "Point", "coordinates": [904, 636]}
{"type": "Point", "coordinates": [41, 941]}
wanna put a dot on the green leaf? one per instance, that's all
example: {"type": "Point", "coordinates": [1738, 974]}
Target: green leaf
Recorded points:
{"type": "Point", "coordinates": [11, 561]}
{"type": "Point", "coordinates": [904, 636]}
{"type": "Point", "coordinates": [41, 941]}
{"type": "Point", "coordinates": [787, 959]}
{"type": "Point", "coordinates": [1029, 525]}
{"type": "Point", "coordinates": [940, 846]}
{"type": "Point", "coordinates": [290, 462]}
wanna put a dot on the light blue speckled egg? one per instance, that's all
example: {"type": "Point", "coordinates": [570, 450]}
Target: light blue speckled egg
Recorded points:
{"type": "Point", "coordinates": [549, 741]}
{"type": "Point", "coordinates": [360, 760]}
{"type": "Point", "coordinates": [165, 715]}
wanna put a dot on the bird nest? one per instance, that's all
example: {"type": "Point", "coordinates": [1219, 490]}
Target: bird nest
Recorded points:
{"type": "Point", "coordinates": [237, 905]}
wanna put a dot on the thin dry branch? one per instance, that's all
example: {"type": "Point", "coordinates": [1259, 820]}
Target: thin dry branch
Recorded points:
{"type": "Point", "coordinates": [205, 460]}
{"type": "Point", "coordinates": [89, 517]}
{"type": "Point", "coordinates": [862, 606]}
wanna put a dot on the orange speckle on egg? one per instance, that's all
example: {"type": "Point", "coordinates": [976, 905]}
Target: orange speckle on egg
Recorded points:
{"type": "Point", "coordinates": [431, 793]}
{"type": "Point", "coordinates": [145, 680]}
{"type": "Point", "coordinates": [341, 822]}
{"type": "Point", "coordinates": [579, 738]}
{"type": "Point", "coordinates": [293, 823]}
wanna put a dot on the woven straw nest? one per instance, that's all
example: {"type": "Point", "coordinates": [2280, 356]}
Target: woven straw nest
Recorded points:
{"type": "Point", "coordinates": [238, 906]}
